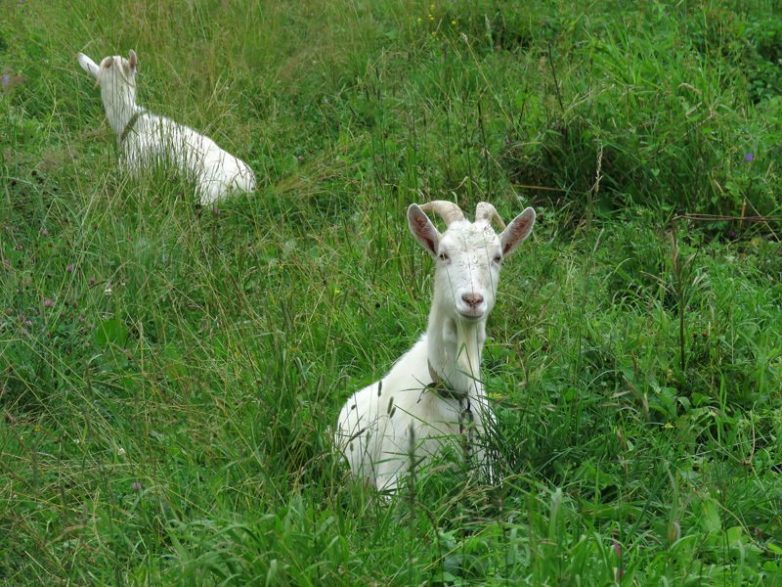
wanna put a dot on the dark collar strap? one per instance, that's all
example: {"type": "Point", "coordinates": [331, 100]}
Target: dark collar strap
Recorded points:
{"type": "Point", "coordinates": [131, 123]}
{"type": "Point", "coordinates": [441, 388]}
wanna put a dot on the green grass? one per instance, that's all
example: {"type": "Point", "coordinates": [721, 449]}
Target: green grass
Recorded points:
{"type": "Point", "coordinates": [170, 376]}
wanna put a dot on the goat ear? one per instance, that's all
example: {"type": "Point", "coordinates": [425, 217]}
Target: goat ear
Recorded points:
{"type": "Point", "coordinates": [518, 230]}
{"type": "Point", "coordinates": [423, 230]}
{"type": "Point", "coordinates": [132, 60]}
{"type": "Point", "coordinates": [88, 65]}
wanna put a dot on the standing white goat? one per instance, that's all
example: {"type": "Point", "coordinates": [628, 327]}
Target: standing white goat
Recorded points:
{"type": "Point", "coordinates": [433, 393]}
{"type": "Point", "coordinates": [145, 138]}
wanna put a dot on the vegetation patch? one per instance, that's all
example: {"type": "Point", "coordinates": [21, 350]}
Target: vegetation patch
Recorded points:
{"type": "Point", "coordinates": [171, 375]}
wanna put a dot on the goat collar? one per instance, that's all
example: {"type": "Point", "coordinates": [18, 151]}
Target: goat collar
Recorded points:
{"type": "Point", "coordinates": [131, 123]}
{"type": "Point", "coordinates": [441, 388]}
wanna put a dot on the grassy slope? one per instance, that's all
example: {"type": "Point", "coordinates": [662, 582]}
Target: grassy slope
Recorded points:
{"type": "Point", "coordinates": [169, 376]}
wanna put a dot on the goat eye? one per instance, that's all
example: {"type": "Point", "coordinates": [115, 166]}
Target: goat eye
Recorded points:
{"type": "Point", "coordinates": [497, 259]}
{"type": "Point", "coordinates": [443, 256]}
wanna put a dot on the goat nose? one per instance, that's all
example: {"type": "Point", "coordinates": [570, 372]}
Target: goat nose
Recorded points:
{"type": "Point", "coordinates": [472, 299]}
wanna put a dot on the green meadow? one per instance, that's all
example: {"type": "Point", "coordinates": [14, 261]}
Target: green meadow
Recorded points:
{"type": "Point", "coordinates": [171, 375]}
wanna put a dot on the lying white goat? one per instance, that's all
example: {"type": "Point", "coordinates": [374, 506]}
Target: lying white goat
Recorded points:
{"type": "Point", "coordinates": [145, 138]}
{"type": "Point", "coordinates": [433, 394]}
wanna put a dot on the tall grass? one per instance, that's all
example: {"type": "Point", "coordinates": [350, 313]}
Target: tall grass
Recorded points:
{"type": "Point", "coordinates": [170, 375]}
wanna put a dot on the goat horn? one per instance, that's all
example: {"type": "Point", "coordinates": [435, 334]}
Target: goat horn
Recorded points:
{"type": "Point", "coordinates": [448, 211]}
{"type": "Point", "coordinates": [487, 212]}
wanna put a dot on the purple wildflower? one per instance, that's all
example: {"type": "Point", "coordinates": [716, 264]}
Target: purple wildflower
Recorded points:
{"type": "Point", "coordinates": [136, 486]}
{"type": "Point", "coordinates": [48, 302]}
{"type": "Point", "coordinates": [69, 268]}
{"type": "Point", "coordinates": [6, 80]}
{"type": "Point", "coordinates": [749, 157]}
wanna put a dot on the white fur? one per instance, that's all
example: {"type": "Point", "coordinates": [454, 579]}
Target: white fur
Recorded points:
{"type": "Point", "coordinates": [383, 425]}
{"type": "Point", "coordinates": [154, 138]}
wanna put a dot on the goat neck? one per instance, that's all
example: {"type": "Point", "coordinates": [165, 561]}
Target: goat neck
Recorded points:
{"type": "Point", "coordinates": [119, 102]}
{"type": "Point", "coordinates": [454, 348]}
{"type": "Point", "coordinates": [120, 107]}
